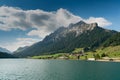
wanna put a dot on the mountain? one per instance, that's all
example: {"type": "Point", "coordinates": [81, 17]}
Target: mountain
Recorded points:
{"type": "Point", "coordinates": [4, 50]}
{"type": "Point", "coordinates": [6, 55]}
{"type": "Point", "coordinates": [66, 39]}
{"type": "Point", "coordinates": [20, 49]}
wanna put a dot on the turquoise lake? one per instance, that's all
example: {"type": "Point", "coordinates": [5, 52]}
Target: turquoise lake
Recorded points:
{"type": "Point", "coordinates": [34, 69]}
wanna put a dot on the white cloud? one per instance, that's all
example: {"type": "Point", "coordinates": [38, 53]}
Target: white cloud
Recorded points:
{"type": "Point", "coordinates": [64, 17]}
{"type": "Point", "coordinates": [43, 22]}
{"type": "Point", "coordinates": [21, 42]}
{"type": "Point", "coordinates": [102, 22]}
{"type": "Point", "coordinates": [39, 33]}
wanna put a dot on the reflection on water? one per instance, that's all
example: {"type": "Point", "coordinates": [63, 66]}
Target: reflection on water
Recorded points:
{"type": "Point", "coordinates": [29, 69]}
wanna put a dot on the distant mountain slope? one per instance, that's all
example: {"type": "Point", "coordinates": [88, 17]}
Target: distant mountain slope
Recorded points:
{"type": "Point", "coordinates": [4, 50]}
{"type": "Point", "coordinates": [67, 39]}
{"type": "Point", "coordinates": [6, 55]}
{"type": "Point", "coordinates": [20, 49]}
{"type": "Point", "coordinates": [113, 40]}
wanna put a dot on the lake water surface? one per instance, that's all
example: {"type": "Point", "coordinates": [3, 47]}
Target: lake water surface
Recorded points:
{"type": "Point", "coordinates": [33, 69]}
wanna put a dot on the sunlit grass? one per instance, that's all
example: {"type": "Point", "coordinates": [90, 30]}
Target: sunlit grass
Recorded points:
{"type": "Point", "coordinates": [111, 52]}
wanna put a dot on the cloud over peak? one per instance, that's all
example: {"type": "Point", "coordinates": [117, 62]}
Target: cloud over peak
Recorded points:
{"type": "Point", "coordinates": [102, 22]}
{"type": "Point", "coordinates": [42, 22]}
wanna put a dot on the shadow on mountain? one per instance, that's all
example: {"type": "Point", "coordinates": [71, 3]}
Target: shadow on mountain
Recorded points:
{"type": "Point", "coordinates": [6, 55]}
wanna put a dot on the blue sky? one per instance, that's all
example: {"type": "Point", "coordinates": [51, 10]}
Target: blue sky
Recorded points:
{"type": "Point", "coordinates": [24, 22]}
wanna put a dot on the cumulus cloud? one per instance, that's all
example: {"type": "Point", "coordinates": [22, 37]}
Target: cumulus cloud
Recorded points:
{"type": "Point", "coordinates": [102, 22]}
{"type": "Point", "coordinates": [20, 42]}
{"type": "Point", "coordinates": [42, 22]}
{"type": "Point", "coordinates": [40, 33]}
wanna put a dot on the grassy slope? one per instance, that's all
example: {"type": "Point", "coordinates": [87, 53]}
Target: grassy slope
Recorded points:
{"type": "Point", "coordinates": [111, 51]}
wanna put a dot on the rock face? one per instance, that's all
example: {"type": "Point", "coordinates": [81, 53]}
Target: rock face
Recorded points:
{"type": "Point", "coordinates": [79, 35]}
{"type": "Point", "coordinates": [81, 27]}
{"type": "Point", "coordinates": [77, 28]}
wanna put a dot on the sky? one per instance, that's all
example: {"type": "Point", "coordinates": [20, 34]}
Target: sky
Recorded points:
{"type": "Point", "coordinates": [25, 22]}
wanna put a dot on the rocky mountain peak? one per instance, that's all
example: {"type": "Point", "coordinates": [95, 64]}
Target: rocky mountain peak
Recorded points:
{"type": "Point", "coordinates": [81, 27]}
{"type": "Point", "coordinates": [81, 22]}
{"type": "Point", "coordinates": [77, 28]}
{"type": "Point", "coordinates": [93, 25]}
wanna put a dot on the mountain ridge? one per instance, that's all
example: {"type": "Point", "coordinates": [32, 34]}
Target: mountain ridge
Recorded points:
{"type": "Point", "coordinates": [66, 39]}
{"type": "Point", "coordinates": [6, 55]}
{"type": "Point", "coordinates": [4, 50]}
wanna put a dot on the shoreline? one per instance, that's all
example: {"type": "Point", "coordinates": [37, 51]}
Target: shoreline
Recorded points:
{"type": "Point", "coordinates": [99, 60]}
{"type": "Point", "coordinates": [108, 60]}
